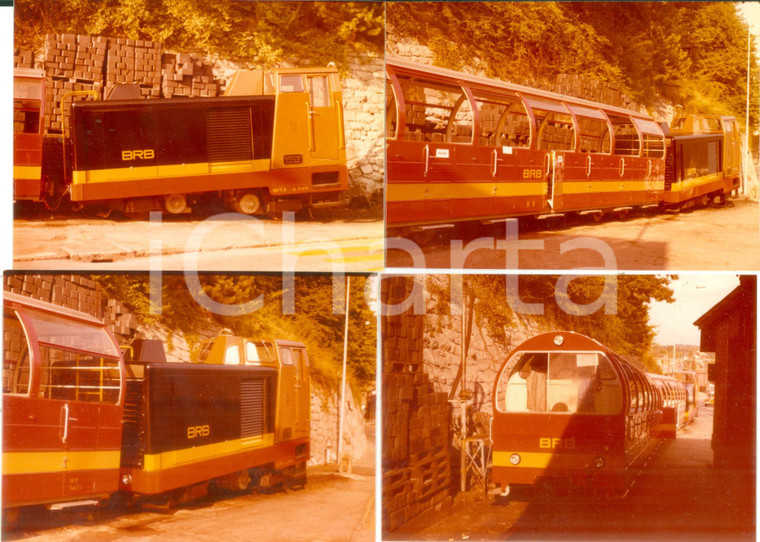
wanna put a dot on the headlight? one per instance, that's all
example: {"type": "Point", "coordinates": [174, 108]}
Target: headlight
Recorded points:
{"type": "Point", "coordinates": [514, 459]}
{"type": "Point", "coordinates": [126, 479]}
{"type": "Point", "coordinates": [598, 462]}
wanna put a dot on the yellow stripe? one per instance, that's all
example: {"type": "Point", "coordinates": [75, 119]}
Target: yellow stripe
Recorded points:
{"type": "Point", "coordinates": [173, 170]}
{"type": "Point", "coordinates": [445, 190]}
{"type": "Point", "coordinates": [156, 462]}
{"type": "Point", "coordinates": [43, 462]}
{"type": "Point", "coordinates": [27, 172]}
{"type": "Point", "coordinates": [690, 184]}
{"type": "Point", "coordinates": [531, 460]}
{"type": "Point", "coordinates": [582, 187]}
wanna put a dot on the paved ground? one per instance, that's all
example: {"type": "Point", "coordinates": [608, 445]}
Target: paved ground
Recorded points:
{"type": "Point", "coordinates": [677, 496]}
{"type": "Point", "coordinates": [332, 507]}
{"type": "Point", "coordinates": [715, 239]}
{"type": "Point", "coordinates": [224, 242]}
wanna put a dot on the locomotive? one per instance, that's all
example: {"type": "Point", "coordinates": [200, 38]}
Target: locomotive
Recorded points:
{"type": "Point", "coordinates": [84, 421]}
{"type": "Point", "coordinates": [568, 408]}
{"type": "Point", "coordinates": [274, 142]}
{"type": "Point", "coordinates": [468, 148]}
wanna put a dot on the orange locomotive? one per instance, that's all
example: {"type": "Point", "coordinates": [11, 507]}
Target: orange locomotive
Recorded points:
{"type": "Point", "coordinates": [82, 423]}
{"type": "Point", "coordinates": [274, 142]}
{"type": "Point", "coordinates": [467, 148]}
{"type": "Point", "coordinates": [568, 408]}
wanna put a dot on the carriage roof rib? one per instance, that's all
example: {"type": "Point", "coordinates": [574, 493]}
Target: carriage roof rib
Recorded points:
{"type": "Point", "coordinates": [485, 83]}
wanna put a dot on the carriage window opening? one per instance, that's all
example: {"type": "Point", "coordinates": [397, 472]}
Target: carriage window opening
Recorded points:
{"type": "Point", "coordinates": [503, 121]}
{"type": "Point", "coordinates": [74, 376]}
{"type": "Point", "coordinates": [232, 355]}
{"type": "Point", "coordinates": [16, 374]}
{"type": "Point", "coordinates": [626, 136]}
{"type": "Point", "coordinates": [291, 83]}
{"type": "Point", "coordinates": [654, 146]}
{"type": "Point", "coordinates": [57, 331]}
{"type": "Point", "coordinates": [436, 113]}
{"type": "Point", "coordinates": [594, 135]}
{"type": "Point", "coordinates": [391, 120]}
{"type": "Point", "coordinates": [26, 118]}
{"type": "Point", "coordinates": [319, 91]}
{"type": "Point", "coordinates": [556, 131]}
{"type": "Point", "coordinates": [562, 382]}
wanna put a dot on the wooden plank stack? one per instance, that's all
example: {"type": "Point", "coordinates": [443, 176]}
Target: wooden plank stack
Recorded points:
{"type": "Point", "coordinates": [77, 62]}
{"type": "Point", "coordinates": [134, 61]}
{"type": "Point", "coordinates": [186, 75]}
{"type": "Point", "coordinates": [416, 462]}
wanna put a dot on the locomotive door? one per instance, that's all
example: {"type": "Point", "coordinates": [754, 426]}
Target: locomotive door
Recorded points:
{"type": "Point", "coordinates": [292, 139]}
{"type": "Point", "coordinates": [287, 412]}
{"type": "Point", "coordinates": [303, 393]}
{"type": "Point", "coordinates": [324, 120]}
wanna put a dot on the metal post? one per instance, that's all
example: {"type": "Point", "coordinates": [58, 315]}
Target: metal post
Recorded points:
{"type": "Point", "coordinates": [343, 380]}
{"type": "Point", "coordinates": [747, 153]}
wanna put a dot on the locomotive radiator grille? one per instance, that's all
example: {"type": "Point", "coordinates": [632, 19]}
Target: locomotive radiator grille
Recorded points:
{"type": "Point", "coordinates": [228, 135]}
{"type": "Point", "coordinates": [132, 444]}
{"type": "Point", "coordinates": [252, 408]}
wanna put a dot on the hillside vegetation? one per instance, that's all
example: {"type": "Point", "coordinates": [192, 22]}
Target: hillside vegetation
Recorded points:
{"type": "Point", "coordinates": [263, 33]}
{"type": "Point", "coordinates": [305, 313]}
{"type": "Point", "coordinates": [618, 317]}
{"type": "Point", "coordinates": [688, 53]}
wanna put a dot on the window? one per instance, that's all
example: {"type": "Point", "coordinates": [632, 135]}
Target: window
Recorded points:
{"type": "Point", "coordinates": [251, 353]}
{"type": "Point", "coordinates": [319, 91]}
{"type": "Point", "coordinates": [73, 376]}
{"type": "Point", "coordinates": [503, 121]}
{"type": "Point", "coordinates": [555, 131]}
{"type": "Point", "coordinates": [391, 119]}
{"type": "Point", "coordinates": [594, 135]}
{"type": "Point", "coordinates": [232, 355]}
{"type": "Point", "coordinates": [561, 382]}
{"type": "Point", "coordinates": [291, 83]}
{"type": "Point", "coordinates": [15, 356]}
{"type": "Point", "coordinates": [626, 137]}
{"type": "Point", "coordinates": [26, 117]}
{"type": "Point", "coordinates": [436, 113]}
{"type": "Point", "coordinates": [57, 331]}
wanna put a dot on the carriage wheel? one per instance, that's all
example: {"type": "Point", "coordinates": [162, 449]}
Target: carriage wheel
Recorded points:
{"type": "Point", "coordinates": [247, 203]}
{"type": "Point", "coordinates": [175, 203]}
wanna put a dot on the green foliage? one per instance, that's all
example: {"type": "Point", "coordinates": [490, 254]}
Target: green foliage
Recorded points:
{"type": "Point", "coordinates": [316, 320]}
{"type": "Point", "coordinates": [260, 33]}
{"type": "Point", "coordinates": [690, 53]}
{"type": "Point", "coordinates": [626, 330]}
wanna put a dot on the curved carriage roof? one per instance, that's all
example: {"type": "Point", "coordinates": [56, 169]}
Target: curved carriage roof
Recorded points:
{"type": "Point", "coordinates": [19, 301]}
{"type": "Point", "coordinates": [484, 83]}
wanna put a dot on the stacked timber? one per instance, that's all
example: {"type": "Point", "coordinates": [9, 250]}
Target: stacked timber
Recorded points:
{"type": "Point", "coordinates": [23, 58]}
{"type": "Point", "coordinates": [134, 61]}
{"type": "Point", "coordinates": [416, 463]}
{"type": "Point", "coordinates": [71, 63]}
{"type": "Point", "coordinates": [186, 75]}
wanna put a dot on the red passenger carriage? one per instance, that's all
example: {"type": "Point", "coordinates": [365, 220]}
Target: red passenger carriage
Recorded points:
{"type": "Point", "coordinates": [462, 147]}
{"type": "Point", "coordinates": [63, 382]}
{"type": "Point", "coordinates": [566, 407]}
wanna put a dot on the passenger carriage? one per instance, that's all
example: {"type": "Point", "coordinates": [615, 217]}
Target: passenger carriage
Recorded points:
{"type": "Point", "coordinates": [567, 408]}
{"type": "Point", "coordinates": [462, 147]}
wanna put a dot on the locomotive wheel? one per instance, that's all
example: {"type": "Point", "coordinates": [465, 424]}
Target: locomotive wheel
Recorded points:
{"type": "Point", "coordinates": [597, 217]}
{"type": "Point", "coordinates": [247, 203]}
{"type": "Point", "coordinates": [704, 201]}
{"type": "Point", "coordinates": [175, 203]}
